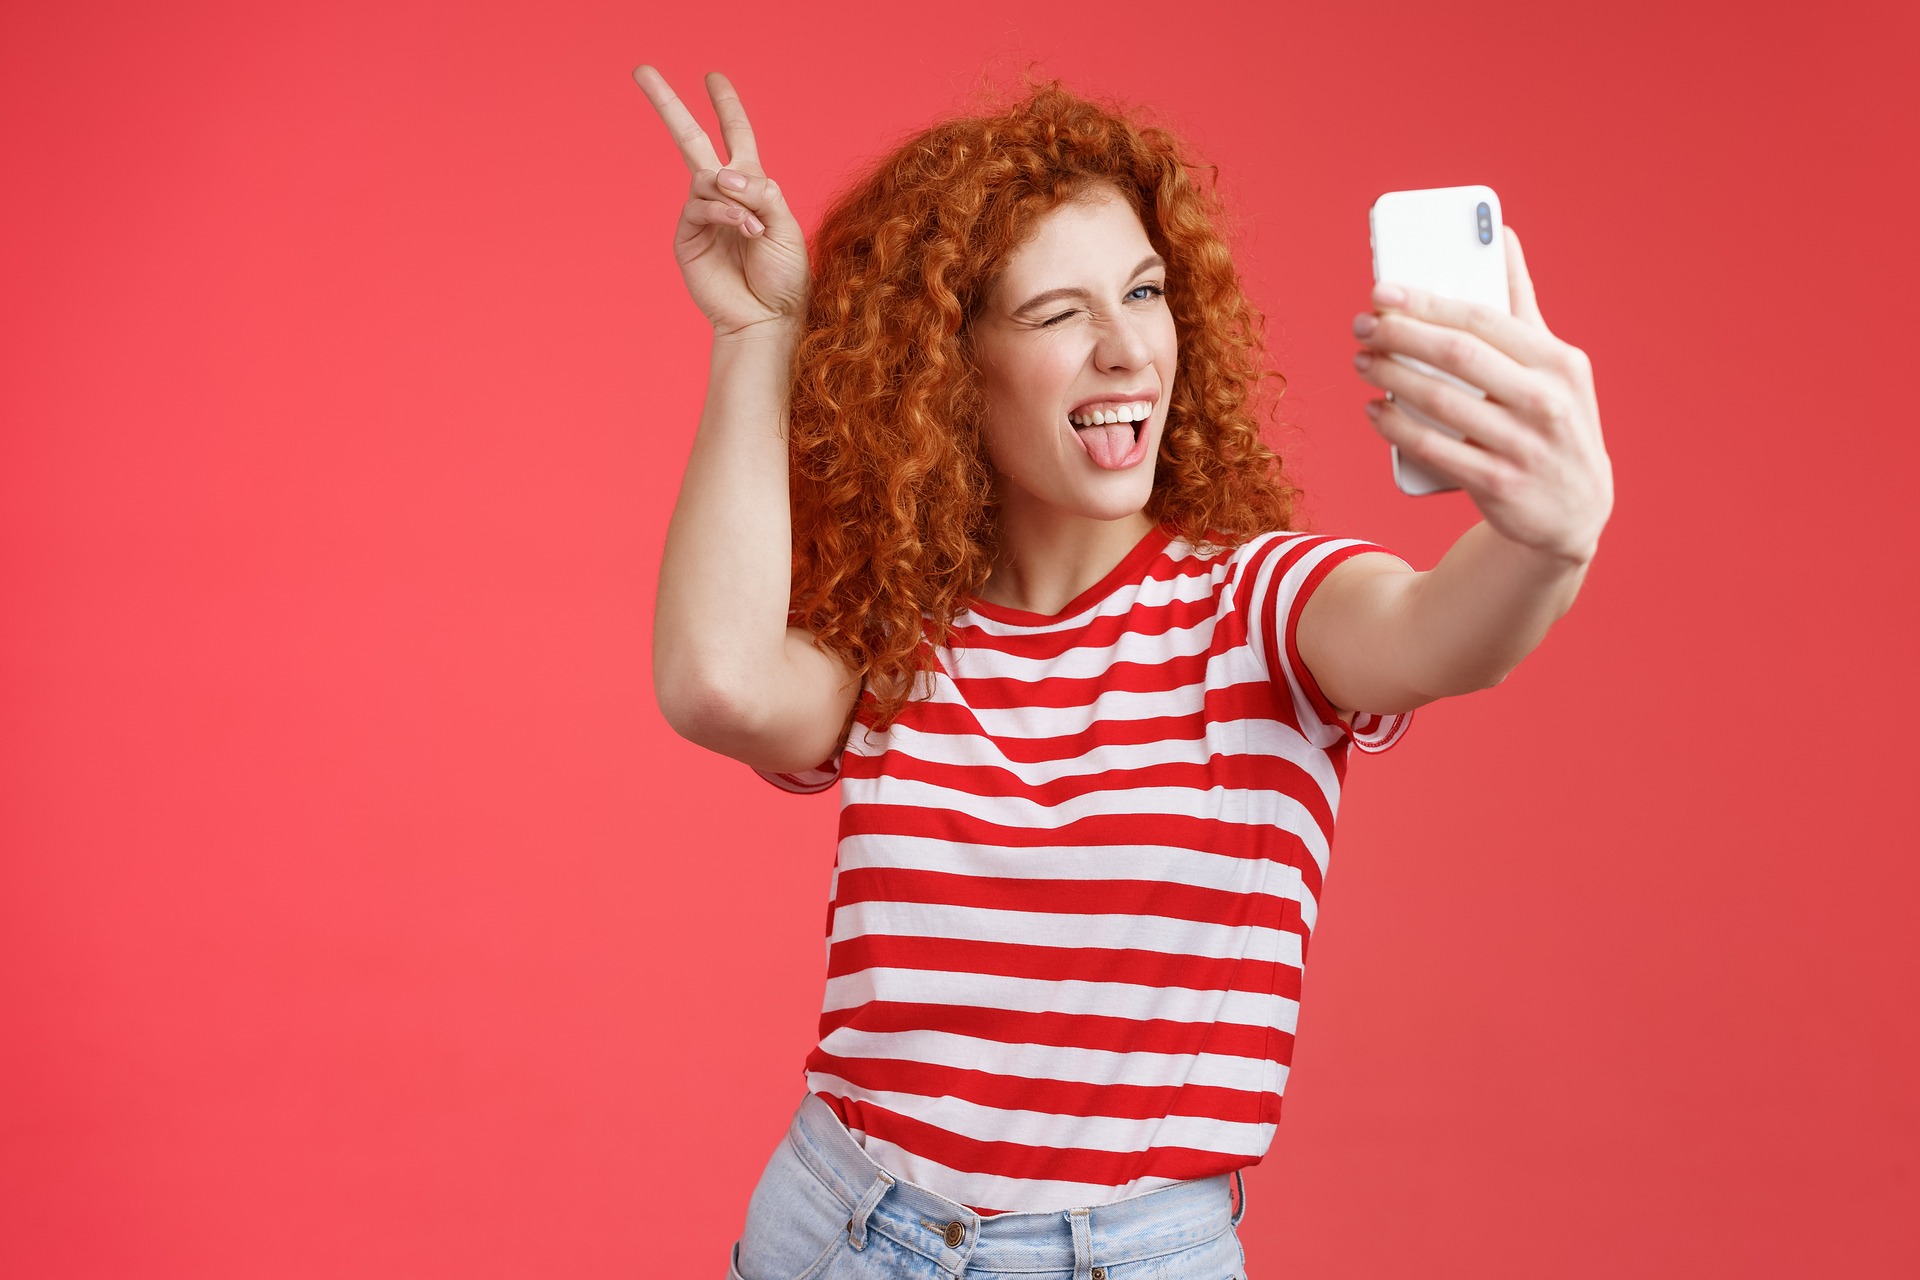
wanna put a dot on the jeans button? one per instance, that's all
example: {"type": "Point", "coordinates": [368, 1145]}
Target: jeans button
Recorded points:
{"type": "Point", "coordinates": [956, 1232]}
{"type": "Point", "coordinates": [1099, 1273]}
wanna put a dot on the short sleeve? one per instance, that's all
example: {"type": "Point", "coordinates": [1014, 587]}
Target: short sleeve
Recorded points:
{"type": "Point", "coordinates": [808, 781]}
{"type": "Point", "coordinates": [1286, 580]}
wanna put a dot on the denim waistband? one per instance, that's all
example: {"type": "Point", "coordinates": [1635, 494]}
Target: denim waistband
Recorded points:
{"type": "Point", "coordinates": [1145, 1226]}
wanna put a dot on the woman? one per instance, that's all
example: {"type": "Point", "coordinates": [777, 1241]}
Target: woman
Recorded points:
{"type": "Point", "coordinates": [987, 482]}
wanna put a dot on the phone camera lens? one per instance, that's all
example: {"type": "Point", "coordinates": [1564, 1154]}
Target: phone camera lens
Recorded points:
{"type": "Point", "coordinates": [1484, 214]}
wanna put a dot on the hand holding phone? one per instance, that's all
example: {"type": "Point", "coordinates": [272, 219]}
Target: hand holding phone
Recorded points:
{"type": "Point", "coordinates": [1448, 241]}
{"type": "Point", "coordinates": [1525, 443]}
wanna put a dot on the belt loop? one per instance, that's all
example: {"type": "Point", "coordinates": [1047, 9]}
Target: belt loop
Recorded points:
{"type": "Point", "coordinates": [857, 1224]}
{"type": "Point", "coordinates": [1240, 1212]}
{"type": "Point", "coordinates": [1078, 1219]}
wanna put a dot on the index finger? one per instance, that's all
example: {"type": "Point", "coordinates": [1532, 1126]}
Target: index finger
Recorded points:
{"type": "Point", "coordinates": [733, 123]}
{"type": "Point", "coordinates": [1528, 343]}
{"type": "Point", "coordinates": [695, 147]}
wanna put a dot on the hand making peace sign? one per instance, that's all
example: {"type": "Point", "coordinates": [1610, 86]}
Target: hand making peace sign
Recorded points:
{"type": "Point", "coordinates": [740, 248]}
{"type": "Point", "coordinates": [1533, 461]}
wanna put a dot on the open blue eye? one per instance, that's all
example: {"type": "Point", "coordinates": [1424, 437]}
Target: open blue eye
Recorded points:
{"type": "Point", "coordinates": [1152, 290]}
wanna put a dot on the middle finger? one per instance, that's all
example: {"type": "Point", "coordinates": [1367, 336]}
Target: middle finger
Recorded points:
{"type": "Point", "coordinates": [742, 152]}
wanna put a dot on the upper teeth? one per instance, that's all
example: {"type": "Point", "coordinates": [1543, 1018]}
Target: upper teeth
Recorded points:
{"type": "Point", "coordinates": [1113, 413]}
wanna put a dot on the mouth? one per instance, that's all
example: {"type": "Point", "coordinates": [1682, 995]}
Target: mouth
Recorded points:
{"type": "Point", "coordinates": [1134, 414]}
{"type": "Point", "coordinates": [1116, 445]}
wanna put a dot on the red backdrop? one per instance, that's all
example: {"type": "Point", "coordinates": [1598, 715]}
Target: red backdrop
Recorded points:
{"type": "Point", "coordinates": [359, 915]}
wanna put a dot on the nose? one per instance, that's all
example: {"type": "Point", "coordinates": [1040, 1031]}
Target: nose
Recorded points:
{"type": "Point", "coordinates": [1123, 342]}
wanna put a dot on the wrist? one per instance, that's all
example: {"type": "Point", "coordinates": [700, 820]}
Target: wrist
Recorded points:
{"type": "Point", "coordinates": [1554, 558]}
{"type": "Point", "coordinates": [778, 331]}
{"type": "Point", "coordinates": [1574, 558]}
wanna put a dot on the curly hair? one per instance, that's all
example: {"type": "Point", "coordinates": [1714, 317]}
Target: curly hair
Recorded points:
{"type": "Point", "coordinates": [894, 525]}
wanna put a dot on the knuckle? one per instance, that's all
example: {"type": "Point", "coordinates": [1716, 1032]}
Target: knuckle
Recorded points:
{"type": "Point", "coordinates": [1456, 406]}
{"type": "Point", "coordinates": [1551, 408]}
{"type": "Point", "coordinates": [1410, 435]}
{"type": "Point", "coordinates": [1531, 452]}
{"type": "Point", "coordinates": [1457, 349]}
{"type": "Point", "coordinates": [771, 189]}
{"type": "Point", "coordinates": [1504, 484]}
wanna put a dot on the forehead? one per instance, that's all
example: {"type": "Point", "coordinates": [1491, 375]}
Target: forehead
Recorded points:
{"type": "Point", "coordinates": [1094, 234]}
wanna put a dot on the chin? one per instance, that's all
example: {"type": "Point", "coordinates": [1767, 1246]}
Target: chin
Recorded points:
{"type": "Point", "coordinates": [1118, 505]}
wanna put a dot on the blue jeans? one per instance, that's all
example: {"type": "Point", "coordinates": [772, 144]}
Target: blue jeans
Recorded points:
{"type": "Point", "coordinates": [824, 1211]}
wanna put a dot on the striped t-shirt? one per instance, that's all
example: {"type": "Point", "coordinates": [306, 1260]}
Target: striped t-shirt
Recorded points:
{"type": "Point", "coordinates": [1074, 888]}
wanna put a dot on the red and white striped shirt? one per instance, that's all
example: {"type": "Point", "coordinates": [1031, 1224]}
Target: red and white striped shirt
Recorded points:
{"type": "Point", "coordinates": [1074, 888]}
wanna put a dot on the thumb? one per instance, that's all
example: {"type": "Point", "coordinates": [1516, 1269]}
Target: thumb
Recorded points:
{"type": "Point", "coordinates": [1519, 282]}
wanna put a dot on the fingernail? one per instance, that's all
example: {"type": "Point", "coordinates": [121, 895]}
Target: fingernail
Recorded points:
{"type": "Point", "coordinates": [754, 225]}
{"type": "Point", "coordinates": [1364, 324]}
{"type": "Point", "coordinates": [1373, 409]}
{"type": "Point", "coordinates": [1389, 295]}
{"type": "Point", "coordinates": [732, 181]}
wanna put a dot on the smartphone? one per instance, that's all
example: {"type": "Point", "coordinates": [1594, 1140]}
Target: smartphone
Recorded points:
{"type": "Point", "coordinates": [1445, 240]}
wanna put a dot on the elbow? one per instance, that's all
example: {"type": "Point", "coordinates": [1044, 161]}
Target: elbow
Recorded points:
{"type": "Point", "coordinates": [694, 703]}
{"type": "Point", "coordinates": [1463, 684]}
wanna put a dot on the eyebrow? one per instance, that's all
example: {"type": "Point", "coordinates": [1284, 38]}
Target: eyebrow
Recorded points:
{"type": "Point", "coordinates": [1054, 295]}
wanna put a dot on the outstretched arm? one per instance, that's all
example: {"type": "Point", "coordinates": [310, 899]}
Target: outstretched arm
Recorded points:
{"type": "Point", "coordinates": [1380, 637]}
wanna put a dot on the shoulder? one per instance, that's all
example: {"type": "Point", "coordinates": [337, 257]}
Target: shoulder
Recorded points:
{"type": "Point", "coordinates": [1298, 556]}
{"type": "Point", "coordinates": [1352, 573]}
{"type": "Point", "coordinates": [1320, 605]}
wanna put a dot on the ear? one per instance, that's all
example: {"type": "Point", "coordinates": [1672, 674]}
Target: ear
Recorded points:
{"type": "Point", "coordinates": [1519, 283]}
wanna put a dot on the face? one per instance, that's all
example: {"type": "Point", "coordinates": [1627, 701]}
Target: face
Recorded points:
{"type": "Point", "coordinates": [1077, 324]}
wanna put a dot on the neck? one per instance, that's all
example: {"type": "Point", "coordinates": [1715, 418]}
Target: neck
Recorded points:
{"type": "Point", "coordinates": [1048, 557]}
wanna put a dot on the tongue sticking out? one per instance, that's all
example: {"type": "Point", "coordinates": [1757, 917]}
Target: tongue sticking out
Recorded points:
{"type": "Point", "coordinates": [1109, 444]}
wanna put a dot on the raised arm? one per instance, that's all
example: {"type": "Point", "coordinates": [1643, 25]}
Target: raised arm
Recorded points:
{"type": "Point", "coordinates": [1380, 637]}
{"type": "Point", "coordinates": [728, 672]}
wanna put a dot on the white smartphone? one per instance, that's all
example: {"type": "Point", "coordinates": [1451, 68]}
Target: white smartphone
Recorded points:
{"type": "Point", "coordinates": [1446, 240]}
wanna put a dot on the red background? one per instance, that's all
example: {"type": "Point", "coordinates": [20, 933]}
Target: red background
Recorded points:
{"type": "Point", "coordinates": [359, 915]}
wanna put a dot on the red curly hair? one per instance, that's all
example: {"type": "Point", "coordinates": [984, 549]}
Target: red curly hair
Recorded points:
{"type": "Point", "coordinates": [893, 508]}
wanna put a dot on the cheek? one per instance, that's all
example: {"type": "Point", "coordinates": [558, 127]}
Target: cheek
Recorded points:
{"type": "Point", "coordinates": [1017, 444]}
{"type": "Point", "coordinates": [1001, 432]}
{"type": "Point", "coordinates": [1167, 345]}
{"type": "Point", "coordinates": [1045, 378]}
{"type": "Point", "coordinates": [993, 436]}
{"type": "Point", "coordinates": [1028, 396]}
